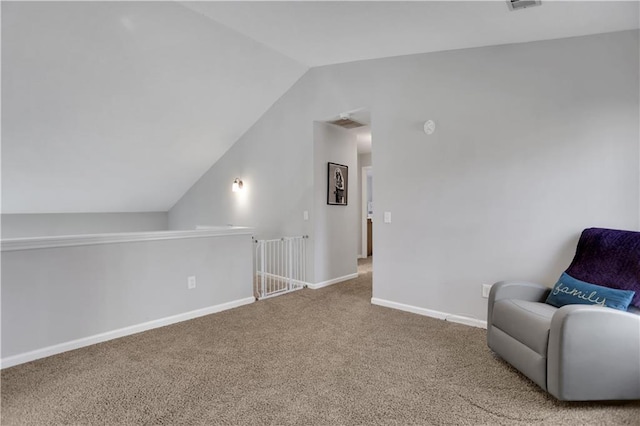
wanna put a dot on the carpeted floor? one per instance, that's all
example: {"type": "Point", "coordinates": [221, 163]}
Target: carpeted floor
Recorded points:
{"type": "Point", "coordinates": [312, 357]}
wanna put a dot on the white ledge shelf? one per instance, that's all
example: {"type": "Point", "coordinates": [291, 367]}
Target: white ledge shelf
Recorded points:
{"type": "Point", "coordinates": [13, 244]}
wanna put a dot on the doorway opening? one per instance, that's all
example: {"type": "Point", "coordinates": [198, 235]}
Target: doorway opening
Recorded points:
{"type": "Point", "coordinates": [343, 140]}
{"type": "Point", "coordinates": [366, 214]}
{"type": "Point", "coordinates": [365, 187]}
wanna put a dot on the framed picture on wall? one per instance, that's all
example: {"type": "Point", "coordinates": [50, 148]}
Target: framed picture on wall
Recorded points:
{"type": "Point", "coordinates": [337, 184]}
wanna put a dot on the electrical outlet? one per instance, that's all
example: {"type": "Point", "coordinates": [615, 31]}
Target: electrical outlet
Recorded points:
{"type": "Point", "coordinates": [486, 288]}
{"type": "Point", "coordinates": [191, 283]}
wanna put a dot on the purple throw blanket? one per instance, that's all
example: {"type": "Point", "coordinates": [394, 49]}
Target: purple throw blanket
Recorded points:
{"type": "Point", "coordinates": [609, 258]}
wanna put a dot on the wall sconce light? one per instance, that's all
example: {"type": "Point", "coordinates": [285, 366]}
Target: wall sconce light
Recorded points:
{"type": "Point", "coordinates": [237, 185]}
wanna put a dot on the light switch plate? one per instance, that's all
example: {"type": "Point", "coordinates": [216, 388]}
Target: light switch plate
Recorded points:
{"type": "Point", "coordinates": [387, 217]}
{"type": "Point", "coordinates": [305, 215]}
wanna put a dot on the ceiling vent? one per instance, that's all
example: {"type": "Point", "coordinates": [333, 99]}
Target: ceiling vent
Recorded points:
{"type": "Point", "coordinates": [346, 122]}
{"type": "Point", "coordinates": [522, 4]}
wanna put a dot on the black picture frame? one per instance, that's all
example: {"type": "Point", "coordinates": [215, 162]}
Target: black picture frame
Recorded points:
{"type": "Point", "coordinates": [337, 184]}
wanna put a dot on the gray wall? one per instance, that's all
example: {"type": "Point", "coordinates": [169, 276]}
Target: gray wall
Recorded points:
{"type": "Point", "coordinates": [56, 295]}
{"type": "Point", "coordinates": [40, 225]}
{"type": "Point", "coordinates": [535, 142]}
{"type": "Point", "coordinates": [334, 235]}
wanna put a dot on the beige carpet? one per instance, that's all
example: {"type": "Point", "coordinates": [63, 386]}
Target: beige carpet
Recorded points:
{"type": "Point", "coordinates": [312, 357]}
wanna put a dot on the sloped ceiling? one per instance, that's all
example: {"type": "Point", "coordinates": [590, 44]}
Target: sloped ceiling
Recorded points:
{"type": "Point", "coordinates": [122, 106]}
{"type": "Point", "coordinates": [320, 33]}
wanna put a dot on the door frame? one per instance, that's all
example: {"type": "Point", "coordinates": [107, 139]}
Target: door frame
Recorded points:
{"type": "Point", "coordinates": [363, 218]}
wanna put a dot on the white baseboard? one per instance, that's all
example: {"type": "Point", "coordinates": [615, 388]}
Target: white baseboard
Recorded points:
{"type": "Point", "coordinates": [461, 319]}
{"type": "Point", "coordinates": [362, 256]}
{"type": "Point", "coordinates": [121, 332]}
{"type": "Point", "coordinates": [333, 281]}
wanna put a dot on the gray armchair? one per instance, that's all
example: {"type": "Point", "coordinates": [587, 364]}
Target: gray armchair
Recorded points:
{"type": "Point", "coordinates": [576, 352]}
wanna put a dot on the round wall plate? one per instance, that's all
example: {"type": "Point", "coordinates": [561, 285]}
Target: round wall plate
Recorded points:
{"type": "Point", "coordinates": [429, 127]}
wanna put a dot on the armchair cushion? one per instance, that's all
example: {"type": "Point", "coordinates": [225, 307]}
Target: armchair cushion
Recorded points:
{"type": "Point", "coordinates": [569, 291]}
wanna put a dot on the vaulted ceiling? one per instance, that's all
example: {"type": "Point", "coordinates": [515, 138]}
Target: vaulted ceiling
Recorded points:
{"type": "Point", "coordinates": [319, 33]}
{"type": "Point", "coordinates": [122, 106]}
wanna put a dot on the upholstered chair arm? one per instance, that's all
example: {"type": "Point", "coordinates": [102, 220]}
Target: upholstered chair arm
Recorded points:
{"type": "Point", "coordinates": [593, 354]}
{"type": "Point", "coordinates": [522, 290]}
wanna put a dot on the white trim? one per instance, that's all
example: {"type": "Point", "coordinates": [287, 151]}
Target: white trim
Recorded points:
{"type": "Point", "coordinates": [362, 256]}
{"type": "Point", "coordinates": [31, 243]}
{"type": "Point", "coordinates": [333, 281]}
{"type": "Point", "coordinates": [461, 319]}
{"type": "Point", "coordinates": [114, 334]}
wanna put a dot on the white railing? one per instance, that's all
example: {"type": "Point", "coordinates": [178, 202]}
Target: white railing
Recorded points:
{"type": "Point", "coordinates": [280, 266]}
